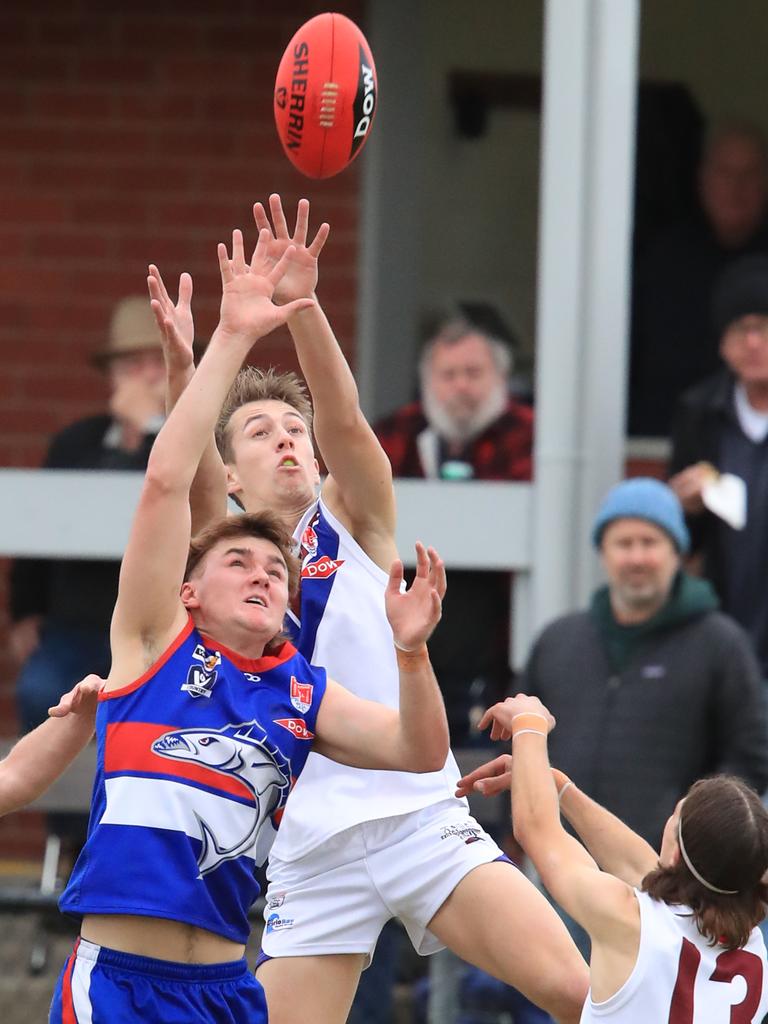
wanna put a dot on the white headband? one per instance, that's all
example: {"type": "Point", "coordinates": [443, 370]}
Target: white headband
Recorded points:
{"type": "Point", "coordinates": [692, 869]}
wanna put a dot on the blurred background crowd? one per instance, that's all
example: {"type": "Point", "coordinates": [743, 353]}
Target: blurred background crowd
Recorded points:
{"type": "Point", "coordinates": [137, 133]}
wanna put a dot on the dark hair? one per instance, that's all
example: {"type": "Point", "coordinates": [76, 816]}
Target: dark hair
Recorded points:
{"type": "Point", "coordinates": [255, 385]}
{"type": "Point", "coordinates": [724, 828]}
{"type": "Point", "coordinates": [263, 525]}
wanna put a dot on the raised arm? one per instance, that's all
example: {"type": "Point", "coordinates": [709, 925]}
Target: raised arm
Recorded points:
{"type": "Point", "coordinates": [601, 903]}
{"type": "Point", "coordinates": [208, 494]}
{"type": "Point", "coordinates": [148, 610]}
{"type": "Point", "coordinates": [41, 756]}
{"type": "Point", "coordinates": [366, 734]}
{"type": "Point", "coordinates": [359, 488]}
{"type": "Point", "coordinates": [614, 846]}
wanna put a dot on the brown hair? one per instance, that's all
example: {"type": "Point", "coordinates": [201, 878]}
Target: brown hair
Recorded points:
{"type": "Point", "coordinates": [255, 385]}
{"type": "Point", "coordinates": [724, 827]}
{"type": "Point", "coordinates": [263, 525]}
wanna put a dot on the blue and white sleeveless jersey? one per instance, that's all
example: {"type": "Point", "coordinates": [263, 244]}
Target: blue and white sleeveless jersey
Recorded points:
{"type": "Point", "coordinates": [342, 625]}
{"type": "Point", "coordinates": [195, 761]}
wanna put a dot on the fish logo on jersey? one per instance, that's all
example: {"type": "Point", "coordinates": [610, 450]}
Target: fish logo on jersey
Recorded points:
{"type": "Point", "coordinates": [245, 753]}
{"type": "Point", "coordinates": [301, 695]}
{"type": "Point", "coordinates": [200, 678]}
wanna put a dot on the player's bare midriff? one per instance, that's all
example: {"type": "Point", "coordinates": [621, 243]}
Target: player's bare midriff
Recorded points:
{"type": "Point", "coordinates": [159, 938]}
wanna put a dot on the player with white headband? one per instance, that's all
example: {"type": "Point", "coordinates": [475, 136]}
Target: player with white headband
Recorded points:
{"type": "Point", "coordinates": [674, 935]}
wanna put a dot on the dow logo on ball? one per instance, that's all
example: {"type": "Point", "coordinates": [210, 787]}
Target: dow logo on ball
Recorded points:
{"type": "Point", "coordinates": [325, 95]}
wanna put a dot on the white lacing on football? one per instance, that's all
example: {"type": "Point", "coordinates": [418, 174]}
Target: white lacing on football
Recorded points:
{"type": "Point", "coordinates": [328, 99]}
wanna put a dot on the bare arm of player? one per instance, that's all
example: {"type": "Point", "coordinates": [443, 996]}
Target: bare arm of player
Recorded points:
{"type": "Point", "coordinates": [605, 906]}
{"type": "Point", "coordinates": [208, 494]}
{"type": "Point", "coordinates": [148, 612]}
{"type": "Point", "coordinates": [615, 847]}
{"type": "Point", "coordinates": [41, 756]}
{"type": "Point", "coordinates": [366, 734]}
{"type": "Point", "coordinates": [359, 488]}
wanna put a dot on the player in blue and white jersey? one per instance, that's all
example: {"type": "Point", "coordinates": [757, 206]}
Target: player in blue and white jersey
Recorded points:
{"type": "Point", "coordinates": [207, 718]}
{"type": "Point", "coordinates": [398, 845]}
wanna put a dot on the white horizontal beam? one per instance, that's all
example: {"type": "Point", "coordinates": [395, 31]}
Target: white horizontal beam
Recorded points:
{"type": "Point", "coordinates": [81, 514]}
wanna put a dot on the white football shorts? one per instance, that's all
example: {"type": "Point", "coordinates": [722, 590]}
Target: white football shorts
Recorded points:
{"type": "Point", "coordinates": [338, 897]}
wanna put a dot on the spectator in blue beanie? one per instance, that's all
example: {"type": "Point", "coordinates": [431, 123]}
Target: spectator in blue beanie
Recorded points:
{"type": "Point", "coordinates": [652, 686]}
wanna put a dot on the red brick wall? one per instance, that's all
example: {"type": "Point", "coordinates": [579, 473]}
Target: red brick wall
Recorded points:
{"type": "Point", "coordinates": [134, 132]}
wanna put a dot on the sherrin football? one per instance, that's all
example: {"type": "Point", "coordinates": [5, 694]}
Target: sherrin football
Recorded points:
{"type": "Point", "coordinates": [325, 95]}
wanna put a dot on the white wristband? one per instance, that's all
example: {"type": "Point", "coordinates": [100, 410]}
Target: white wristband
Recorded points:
{"type": "Point", "coordinates": [535, 732]}
{"type": "Point", "coordinates": [560, 793]}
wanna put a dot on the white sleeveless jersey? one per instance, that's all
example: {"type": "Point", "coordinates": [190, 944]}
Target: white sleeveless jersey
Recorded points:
{"type": "Point", "coordinates": [342, 625]}
{"type": "Point", "coordinates": [679, 979]}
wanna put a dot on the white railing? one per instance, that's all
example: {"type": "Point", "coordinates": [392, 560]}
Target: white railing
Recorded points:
{"type": "Point", "coordinates": [82, 514]}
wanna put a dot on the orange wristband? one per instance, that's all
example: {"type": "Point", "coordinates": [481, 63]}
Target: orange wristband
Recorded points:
{"type": "Point", "coordinates": [529, 721]}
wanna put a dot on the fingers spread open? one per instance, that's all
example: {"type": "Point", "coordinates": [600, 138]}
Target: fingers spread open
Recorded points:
{"type": "Point", "coordinates": [261, 218]}
{"type": "Point", "coordinates": [224, 265]}
{"type": "Point", "coordinates": [161, 292]}
{"type": "Point", "coordinates": [278, 217]}
{"type": "Point", "coordinates": [395, 577]}
{"type": "Point", "coordinates": [185, 288]}
{"type": "Point", "coordinates": [302, 222]}
{"type": "Point", "coordinates": [238, 251]}
{"type": "Point", "coordinates": [422, 561]}
{"type": "Point", "coordinates": [319, 240]}
{"type": "Point", "coordinates": [279, 269]}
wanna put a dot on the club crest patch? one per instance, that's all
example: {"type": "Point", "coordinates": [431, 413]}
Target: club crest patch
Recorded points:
{"type": "Point", "coordinates": [201, 677]}
{"type": "Point", "coordinates": [301, 695]}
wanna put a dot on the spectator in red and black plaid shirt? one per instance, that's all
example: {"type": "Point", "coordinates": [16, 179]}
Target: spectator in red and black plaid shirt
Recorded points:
{"type": "Point", "coordinates": [466, 426]}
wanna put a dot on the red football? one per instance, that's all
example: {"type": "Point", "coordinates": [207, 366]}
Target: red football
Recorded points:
{"type": "Point", "coordinates": [325, 95]}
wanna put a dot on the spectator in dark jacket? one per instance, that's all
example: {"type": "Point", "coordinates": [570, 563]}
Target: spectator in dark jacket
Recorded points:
{"type": "Point", "coordinates": [722, 426]}
{"type": "Point", "coordinates": [673, 341]}
{"type": "Point", "coordinates": [658, 688]}
{"type": "Point", "coordinates": [61, 609]}
{"type": "Point", "coordinates": [465, 427]}
{"type": "Point", "coordinates": [654, 687]}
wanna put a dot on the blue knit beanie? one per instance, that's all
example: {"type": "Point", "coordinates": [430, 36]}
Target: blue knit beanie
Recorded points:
{"type": "Point", "coordinates": [643, 497]}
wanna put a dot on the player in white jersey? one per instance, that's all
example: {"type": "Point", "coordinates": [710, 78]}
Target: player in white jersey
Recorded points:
{"type": "Point", "coordinates": [396, 846]}
{"type": "Point", "coordinates": [674, 935]}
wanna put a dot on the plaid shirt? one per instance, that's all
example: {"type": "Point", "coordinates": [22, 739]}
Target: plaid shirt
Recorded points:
{"type": "Point", "coordinates": [502, 452]}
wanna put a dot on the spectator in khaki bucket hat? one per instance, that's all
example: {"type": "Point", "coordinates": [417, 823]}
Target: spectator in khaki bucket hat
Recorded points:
{"type": "Point", "coordinates": [61, 609]}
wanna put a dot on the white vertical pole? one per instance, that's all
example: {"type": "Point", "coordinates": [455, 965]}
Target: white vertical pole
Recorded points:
{"type": "Point", "coordinates": [590, 67]}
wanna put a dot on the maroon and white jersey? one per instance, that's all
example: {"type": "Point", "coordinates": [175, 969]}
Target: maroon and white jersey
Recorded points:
{"type": "Point", "coordinates": [680, 979]}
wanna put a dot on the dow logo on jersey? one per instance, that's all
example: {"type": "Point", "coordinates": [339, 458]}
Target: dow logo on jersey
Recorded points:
{"type": "Point", "coordinates": [242, 752]}
{"type": "Point", "coordinates": [321, 569]}
{"type": "Point", "coordinates": [297, 726]}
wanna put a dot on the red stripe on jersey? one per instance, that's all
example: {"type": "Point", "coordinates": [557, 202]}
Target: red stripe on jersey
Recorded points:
{"type": "Point", "coordinates": [128, 748]}
{"type": "Point", "coordinates": [68, 1015]}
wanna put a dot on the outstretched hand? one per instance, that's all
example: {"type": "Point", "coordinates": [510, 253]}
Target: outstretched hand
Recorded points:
{"type": "Point", "coordinates": [413, 614]}
{"type": "Point", "coordinates": [300, 277]}
{"type": "Point", "coordinates": [82, 699]}
{"type": "Point", "coordinates": [174, 320]}
{"type": "Point", "coordinates": [490, 779]}
{"type": "Point", "coordinates": [247, 309]}
{"type": "Point", "coordinates": [499, 716]}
